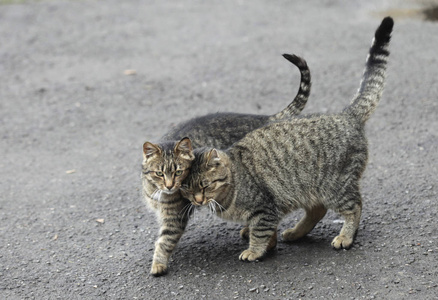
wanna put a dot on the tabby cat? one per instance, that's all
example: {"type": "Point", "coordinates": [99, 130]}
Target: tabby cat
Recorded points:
{"type": "Point", "coordinates": [312, 162]}
{"type": "Point", "coordinates": [167, 163]}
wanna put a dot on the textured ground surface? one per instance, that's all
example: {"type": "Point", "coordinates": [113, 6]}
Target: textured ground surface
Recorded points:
{"type": "Point", "coordinates": [72, 122]}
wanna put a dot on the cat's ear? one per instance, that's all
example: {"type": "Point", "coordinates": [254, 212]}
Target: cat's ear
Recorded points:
{"type": "Point", "coordinates": [150, 150]}
{"type": "Point", "coordinates": [213, 158]}
{"type": "Point", "coordinates": [184, 149]}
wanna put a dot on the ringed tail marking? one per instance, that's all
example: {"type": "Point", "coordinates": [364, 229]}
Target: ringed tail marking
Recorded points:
{"type": "Point", "coordinates": [373, 79]}
{"type": "Point", "coordinates": [297, 105]}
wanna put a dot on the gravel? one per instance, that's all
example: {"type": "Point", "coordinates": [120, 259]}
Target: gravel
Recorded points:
{"type": "Point", "coordinates": [85, 83]}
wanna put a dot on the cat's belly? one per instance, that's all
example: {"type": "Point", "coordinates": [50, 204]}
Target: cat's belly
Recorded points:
{"type": "Point", "coordinates": [234, 214]}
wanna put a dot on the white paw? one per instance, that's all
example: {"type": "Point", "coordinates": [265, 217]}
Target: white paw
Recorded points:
{"type": "Point", "coordinates": [158, 269]}
{"type": "Point", "coordinates": [249, 255]}
{"type": "Point", "coordinates": [342, 242]}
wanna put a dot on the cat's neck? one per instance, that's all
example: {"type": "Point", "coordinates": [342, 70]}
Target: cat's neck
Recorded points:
{"type": "Point", "coordinates": [238, 171]}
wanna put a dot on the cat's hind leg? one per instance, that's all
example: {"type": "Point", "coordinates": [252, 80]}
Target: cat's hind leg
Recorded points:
{"type": "Point", "coordinates": [244, 233]}
{"type": "Point", "coordinates": [352, 218]}
{"type": "Point", "coordinates": [305, 225]}
{"type": "Point", "coordinates": [347, 200]}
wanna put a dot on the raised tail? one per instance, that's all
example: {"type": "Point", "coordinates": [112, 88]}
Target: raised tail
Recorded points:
{"type": "Point", "coordinates": [373, 80]}
{"type": "Point", "coordinates": [297, 105]}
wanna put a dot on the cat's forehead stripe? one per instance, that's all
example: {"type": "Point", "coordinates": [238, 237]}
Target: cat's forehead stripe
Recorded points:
{"type": "Point", "coordinates": [169, 161]}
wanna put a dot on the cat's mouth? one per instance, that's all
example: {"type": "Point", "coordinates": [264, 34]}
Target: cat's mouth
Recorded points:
{"type": "Point", "coordinates": [169, 192]}
{"type": "Point", "coordinates": [200, 200]}
{"type": "Point", "coordinates": [199, 204]}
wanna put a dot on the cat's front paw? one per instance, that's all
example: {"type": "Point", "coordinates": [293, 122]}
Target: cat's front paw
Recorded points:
{"type": "Point", "coordinates": [342, 242]}
{"type": "Point", "coordinates": [158, 269]}
{"type": "Point", "coordinates": [249, 255]}
{"type": "Point", "coordinates": [244, 233]}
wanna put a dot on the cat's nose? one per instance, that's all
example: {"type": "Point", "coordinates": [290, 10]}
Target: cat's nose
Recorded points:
{"type": "Point", "coordinates": [168, 183]}
{"type": "Point", "coordinates": [199, 199]}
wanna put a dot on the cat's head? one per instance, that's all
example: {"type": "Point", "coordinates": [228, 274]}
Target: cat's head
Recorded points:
{"type": "Point", "coordinates": [167, 164]}
{"type": "Point", "coordinates": [209, 178]}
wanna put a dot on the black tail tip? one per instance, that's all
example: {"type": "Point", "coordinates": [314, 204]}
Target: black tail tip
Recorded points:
{"type": "Point", "coordinates": [296, 60]}
{"type": "Point", "coordinates": [385, 29]}
{"type": "Point", "coordinates": [387, 23]}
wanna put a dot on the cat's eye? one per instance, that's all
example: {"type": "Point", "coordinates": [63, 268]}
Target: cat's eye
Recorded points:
{"type": "Point", "coordinates": [178, 172]}
{"type": "Point", "coordinates": [205, 184]}
{"type": "Point", "coordinates": [160, 174]}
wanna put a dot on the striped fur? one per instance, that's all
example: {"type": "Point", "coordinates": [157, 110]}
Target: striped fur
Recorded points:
{"type": "Point", "coordinates": [312, 162]}
{"type": "Point", "coordinates": [373, 79]}
{"type": "Point", "coordinates": [296, 106]}
{"type": "Point", "coordinates": [162, 161]}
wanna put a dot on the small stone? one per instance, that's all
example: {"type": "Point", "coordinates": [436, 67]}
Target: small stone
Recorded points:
{"type": "Point", "coordinates": [130, 72]}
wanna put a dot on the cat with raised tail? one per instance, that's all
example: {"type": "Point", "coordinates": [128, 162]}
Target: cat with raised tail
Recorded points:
{"type": "Point", "coordinates": [167, 163]}
{"type": "Point", "coordinates": [312, 162]}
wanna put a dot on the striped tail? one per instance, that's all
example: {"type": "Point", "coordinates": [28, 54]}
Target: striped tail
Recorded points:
{"type": "Point", "coordinates": [373, 80]}
{"type": "Point", "coordinates": [297, 105]}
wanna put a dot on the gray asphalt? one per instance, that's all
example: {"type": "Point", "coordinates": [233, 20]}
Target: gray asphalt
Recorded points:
{"type": "Point", "coordinates": [84, 83]}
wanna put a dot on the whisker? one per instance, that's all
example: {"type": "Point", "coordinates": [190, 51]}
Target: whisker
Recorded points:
{"type": "Point", "coordinates": [216, 204]}
{"type": "Point", "coordinates": [154, 194]}
{"type": "Point", "coordinates": [221, 208]}
{"type": "Point", "coordinates": [157, 195]}
{"type": "Point", "coordinates": [211, 207]}
{"type": "Point", "coordinates": [185, 211]}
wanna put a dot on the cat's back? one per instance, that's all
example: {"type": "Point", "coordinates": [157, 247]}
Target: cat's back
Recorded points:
{"type": "Point", "coordinates": [218, 130]}
{"type": "Point", "coordinates": [308, 141]}
{"type": "Point", "coordinates": [306, 128]}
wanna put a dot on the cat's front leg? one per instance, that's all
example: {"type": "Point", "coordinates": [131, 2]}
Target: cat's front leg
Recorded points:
{"type": "Point", "coordinates": [171, 230]}
{"type": "Point", "coordinates": [261, 240]}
